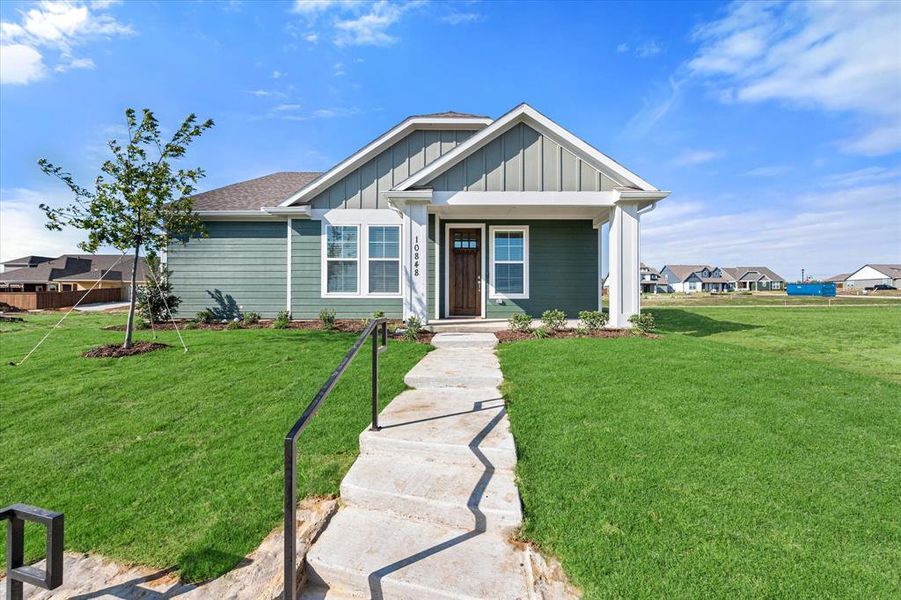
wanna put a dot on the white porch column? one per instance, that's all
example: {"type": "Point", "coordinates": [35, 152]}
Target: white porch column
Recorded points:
{"type": "Point", "coordinates": [416, 222]}
{"type": "Point", "coordinates": [624, 249]}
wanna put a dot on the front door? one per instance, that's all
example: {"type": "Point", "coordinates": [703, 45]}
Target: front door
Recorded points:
{"type": "Point", "coordinates": [465, 272]}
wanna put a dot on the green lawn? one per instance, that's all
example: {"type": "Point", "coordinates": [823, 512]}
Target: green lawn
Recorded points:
{"type": "Point", "coordinates": [745, 453]}
{"type": "Point", "coordinates": [762, 299]}
{"type": "Point", "coordinates": [175, 458]}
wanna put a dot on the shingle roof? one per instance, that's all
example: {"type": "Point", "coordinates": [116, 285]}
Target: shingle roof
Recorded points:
{"type": "Point", "coordinates": [837, 278]}
{"type": "Point", "coordinates": [684, 271]}
{"type": "Point", "coordinates": [744, 271]}
{"type": "Point", "coordinates": [449, 114]}
{"type": "Point", "coordinates": [268, 190]}
{"type": "Point", "coordinates": [28, 260]}
{"type": "Point", "coordinates": [76, 267]}
{"type": "Point", "coordinates": [894, 271]}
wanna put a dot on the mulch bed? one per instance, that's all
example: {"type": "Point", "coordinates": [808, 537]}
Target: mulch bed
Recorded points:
{"type": "Point", "coordinates": [117, 351]}
{"type": "Point", "coordinates": [518, 336]}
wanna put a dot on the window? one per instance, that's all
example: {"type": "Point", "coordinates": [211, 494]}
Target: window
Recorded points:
{"type": "Point", "coordinates": [342, 259]}
{"type": "Point", "coordinates": [509, 262]}
{"type": "Point", "coordinates": [384, 259]}
{"type": "Point", "coordinates": [777, 285]}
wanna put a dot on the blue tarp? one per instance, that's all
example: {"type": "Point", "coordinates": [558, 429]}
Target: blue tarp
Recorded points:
{"type": "Point", "coordinates": [811, 289]}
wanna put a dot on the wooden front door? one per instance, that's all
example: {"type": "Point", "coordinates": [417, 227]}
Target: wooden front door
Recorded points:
{"type": "Point", "coordinates": [466, 272]}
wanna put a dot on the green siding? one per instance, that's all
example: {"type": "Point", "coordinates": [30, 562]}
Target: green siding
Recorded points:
{"type": "Point", "coordinates": [306, 282]}
{"type": "Point", "coordinates": [563, 268]}
{"type": "Point", "coordinates": [522, 159]}
{"type": "Point", "coordinates": [239, 267]}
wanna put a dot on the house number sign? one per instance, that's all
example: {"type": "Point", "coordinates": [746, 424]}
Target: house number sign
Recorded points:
{"type": "Point", "coordinates": [416, 257]}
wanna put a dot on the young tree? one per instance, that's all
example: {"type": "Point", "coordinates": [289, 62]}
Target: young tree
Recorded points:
{"type": "Point", "coordinates": [139, 200]}
{"type": "Point", "coordinates": [156, 302]}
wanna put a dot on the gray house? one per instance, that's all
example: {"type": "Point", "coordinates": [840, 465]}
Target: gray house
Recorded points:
{"type": "Point", "coordinates": [445, 215]}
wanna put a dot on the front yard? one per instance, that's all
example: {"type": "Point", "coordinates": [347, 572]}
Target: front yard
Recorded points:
{"type": "Point", "coordinates": [174, 458]}
{"type": "Point", "coordinates": [746, 453]}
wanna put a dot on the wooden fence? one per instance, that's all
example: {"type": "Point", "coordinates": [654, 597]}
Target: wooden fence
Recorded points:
{"type": "Point", "coordinates": [42, 300]}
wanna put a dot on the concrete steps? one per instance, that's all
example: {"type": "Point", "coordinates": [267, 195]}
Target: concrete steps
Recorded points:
{"type": "Point", "coordinates": [372, 554]}
{"type": "Point", "coordinates": [456, 495]}
{"type": "Point", "coordinates": [431, 502]}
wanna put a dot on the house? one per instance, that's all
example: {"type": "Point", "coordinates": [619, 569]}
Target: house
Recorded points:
{"type": "Point", "coordinates": [872, 274]}
{"type": "Point", "coordinates": [695, 278]}
{"type": "Point", "coordinates": [753, 279]}
{"type": "Point", "coordinates": [444, 215]}
{"type": "Point", "coordinates": [69, 272]}
{"type": "Point", "coordinates": [651, 281]}
{"type": "Point", "coordinates": [838, 280]}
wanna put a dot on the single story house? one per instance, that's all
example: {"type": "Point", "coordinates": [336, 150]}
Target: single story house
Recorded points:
{"type": "Point", "coordinates": [444, 215]}
{"type": "Point", "coordinates": [651, 281]}
{"type": "Point", "coordinates": [838, 280]}
{"type": "Point", "coordinates": [872, 274]}
{"type": "Point", "coordinates": [69, 272]}
{"type": "Point", "coordinates": [753, 279]}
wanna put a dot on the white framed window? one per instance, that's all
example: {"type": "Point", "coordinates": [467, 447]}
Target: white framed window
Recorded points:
{"type": "Point", "coordinates": [777, 285]}
{"type": "Point", "coordinates": [383, 260]}
{"type": "Point", "coordinates": [509, 275]}
{"type": "Point", "coordinates": [342, 263]}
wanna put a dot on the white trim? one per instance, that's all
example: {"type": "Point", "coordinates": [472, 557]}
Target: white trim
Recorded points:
{"type": "Point", "coordinates": [492, 293]}
{"type": "Point", "coordinates": [437, 234]}
{"type": "Point", "coordinates": [288, 269]}
{"type": "Point", "coordinates": [447, 228]}
{"type": "Point", "coordinates": [549, 199]}
{"type": "Point", "coordinates": [324, 293]}
{"type": "Point", "coordinates": [524, 114]}
{"type": "Point", "coordinates": [400, 262]}
{"type": "Point", "coordinates": [382, 142]}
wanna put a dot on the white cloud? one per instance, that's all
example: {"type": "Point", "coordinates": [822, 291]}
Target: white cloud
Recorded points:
{"type": "Point", "coordinates": [22, 230]}
{"type": "Point", "coordinates": [654, 110]}
{"type": "Point", "coordinates": [20, 64]}
{"type": "Point", "coordinates": [353, 23]}
{"type": "Point", "coordinates": [837, 56]}
{"type": "Point", "coordinates": [339, 69]}
{"type": "Point", "coordinates": [812, 231]}
{"type": "Point", "coordinates": [695, 157]}
{"type": "Point", "coordinates": [624, 47]}
{"type": "Point", "coordinates": [276, 74]}
{"type": "Point", "coordinates": [56, 27]}
{"type": "Point", "coordinates": [286, 107]}
{"type": "Point", "coordinates": [648, 49]}
{"type": "Point", "coordinates": [458, 18]}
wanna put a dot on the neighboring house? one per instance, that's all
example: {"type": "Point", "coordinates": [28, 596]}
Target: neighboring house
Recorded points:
{"type": "Point", "coordinates": [705, 278]}
{"type": "Point", "coordinates": [753, 279]}
{"type": "Point", "coordinates": [444, 215]}
{"type": "Point", "coordinates": [651, 281]}
{"type": "Point", "coordinates": [21, 263]}
{"type": "Point", "coordinates": [69, 272]}
{"type": "Point", "coordinates": [838, 280]}
{"type": "Point", "coordinates": [695, 278]}
{"type": "Point", "coordinates": [871, 274]}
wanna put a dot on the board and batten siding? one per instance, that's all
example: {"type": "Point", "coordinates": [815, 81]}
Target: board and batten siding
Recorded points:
{"type": "Point", "coordinates": [563, 268]}
{"type": "Point", "coordinates": [361, 187]}
{"type": "Point", "coordinates": [306, 283]}
{"type": "Point", "coordinates": [239, 267]}
{"type": "Point", "coordinates": [522, 159]}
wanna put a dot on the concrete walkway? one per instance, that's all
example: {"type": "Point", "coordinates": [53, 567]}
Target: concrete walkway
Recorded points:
{"type": "Point", "coordinates": [431, 503]}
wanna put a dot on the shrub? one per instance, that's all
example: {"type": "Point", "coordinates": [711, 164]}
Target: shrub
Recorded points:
{"type": "Point", "coordinates": [378, 314]}
{"type": "Point", "coordinates": [592, 320]}
{"type": "Point", "coordinates": [233, 325]}
{"type": "Point", "coordinates": [541, 332]}
{"type": "Point", "coordinates": [414, 326]}
{"type": "Point", "coordinates": [140, 323]}
{"type": "Point", "coordinates": [155, 299]}
{"type": "Point", "coordinates": [643, 322]}
{"type": "Point", "coordinates": [190, 325]}
{"type": "Point", "coordinates": [553, 319]}
{"type": "Point", "coordinates": [327, 318]}
{"type": "Point", "coordinates": [251, 318]}
{"type": "Point", "coordinates": [520, 322]}
{"type": "Point", "coordinates": [205, 316]}
{"type": "Point", "coordinates": [282, 318]}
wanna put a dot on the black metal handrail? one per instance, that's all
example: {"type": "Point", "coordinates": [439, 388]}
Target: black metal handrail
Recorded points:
{"type": "Point", "coordinates": [375, 328]}
{"type": "Point", "coordinates": [17, 572]}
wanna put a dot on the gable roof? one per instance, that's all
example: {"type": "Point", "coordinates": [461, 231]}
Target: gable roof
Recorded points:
{"type": "Point", "coordinates": [448, 120]}
{"type": "Point", "coordinates": [889, 270]}
{"type": "Point", "coordinates": [268, 190]}
{"type": "Point", "coordinates": [683, 272]}
{"type": "Point", "coordinates": [76, 267]}
{"type": "Point", "coordinates": [837, 278]}
{"type": "Point", "coordinates": [752, 273]}
{"type": "Point", "coordinates": [28, 260]}
{"type": "Point", "coordinates": [526, 114]}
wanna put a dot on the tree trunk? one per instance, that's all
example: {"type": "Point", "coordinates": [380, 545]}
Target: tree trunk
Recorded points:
{"type": "Point", "coordinates": [129, 327]}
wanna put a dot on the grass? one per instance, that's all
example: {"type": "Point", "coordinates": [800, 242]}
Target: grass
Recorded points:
{"type": "Point", "coordinates": [753, 453]}
{"type": "Point", "coordinates": [174, 458]}
{"type": "Point", "coordinates": [762, 299]}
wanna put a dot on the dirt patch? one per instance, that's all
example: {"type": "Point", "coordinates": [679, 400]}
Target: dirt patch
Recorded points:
{"type": "Point", "coordinates": [117, 351]}
{"type": "Point", "coordinates": [518, 336]}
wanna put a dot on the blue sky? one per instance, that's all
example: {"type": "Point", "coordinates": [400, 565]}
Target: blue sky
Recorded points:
{"type": "Point", "coordinates": [776, 126]}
